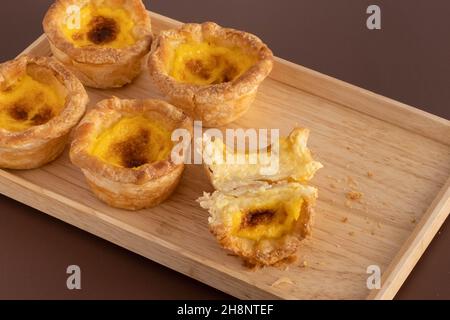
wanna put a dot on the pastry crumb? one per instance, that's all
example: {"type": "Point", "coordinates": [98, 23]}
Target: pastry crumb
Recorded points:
{"type": "Point", "coordinates": [351, 233]}
{"type": "Point", "coordinates": [283, 280]}
{"type": "Point", "coordinates": [414, 221]}
{"type": "Point", "coordinates": [304, 264]}
{"type": "Point", "coordinates": [344, 220]}
{"type": "Point", "coordinates": [332, 185]}
{"type": "Point", "coordinates": [354, 195]}
{"type": "Point", "coordinates": [370, 174]}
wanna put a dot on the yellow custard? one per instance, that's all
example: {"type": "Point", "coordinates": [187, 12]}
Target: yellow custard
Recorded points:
{"type": "Point", "coordinates": [205, 63]}
{"type": "Point", "coordinates": [29, 103]}
{"type": "Point", "coordinates": [133, 142]}
{"type": "Point", "coordinates": [103, 26]}
{"type": "Point", "coordinates": [267, 220]}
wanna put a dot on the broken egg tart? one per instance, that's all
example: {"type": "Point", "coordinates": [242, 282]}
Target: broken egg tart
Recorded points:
{"type": "Point", "coordinates": [124, 148]}
{"type": "Point", "coordinates": [104, 42]}
{"type": "Point", "coordinates": [212, 73]}
{"type": "Point", "coordinates": [288, 158]}
{"type": "Point", "coordinates": [262, 207]}
{"type": "Point", "coordinates": [263, 224]}
{"type": "Point", "coordinates": [40, 102]}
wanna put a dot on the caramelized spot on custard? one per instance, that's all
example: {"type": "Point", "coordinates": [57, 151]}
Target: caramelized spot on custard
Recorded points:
{"type": "Point", "coordinates": [206, 63]}
{"type": "Point", "coordinates": [18, 112]}
{"type": "Point", "coordinates": [230, 73]}
{"type": "Point", "coordinates": [103, 30]}
{"type": "Point", "coordinates": [29, 102]}
{"type": "Point", "coordinates": [271, 218]}
{"type": "Point", "coordinates": [107, 26]}
{"type": "Point", "coordinates": [43, 116]}
{"type": "Point", "coordinates": [258, 217]}
{"type": "Point", "coordinates": [133, 151]}
{"type": "Point", "coordinates": [132, 142]}
{"type": "Point", "coordinates": [197, 68]}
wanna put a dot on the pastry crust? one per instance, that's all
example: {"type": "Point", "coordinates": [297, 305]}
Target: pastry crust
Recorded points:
{"type": "Point", "coordinates": [217, 104]}
{"type": "Point", "coordinates": [40, 144]}
{"type": "Point", "coordinates": [95, 65]}
{"type": "Point", "coordinates": [128, 188]}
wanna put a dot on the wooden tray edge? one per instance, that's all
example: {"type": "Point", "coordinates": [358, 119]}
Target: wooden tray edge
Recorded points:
{"type": "Point", "coordinates": [414, 247]}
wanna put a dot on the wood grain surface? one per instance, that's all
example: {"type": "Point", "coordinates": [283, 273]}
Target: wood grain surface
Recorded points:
{"type": "Point", "coordinates": [396, 156]}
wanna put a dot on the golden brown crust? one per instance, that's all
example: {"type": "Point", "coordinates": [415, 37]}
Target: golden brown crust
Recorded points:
{"type": "Point", "coordinates": [128, 188]}
{"type": "Point", "coordinates": [98, 66]}
{"type": "Point", "coordinates": [40, 144]}
{"type": "Point", "coordinates": [219, 104]}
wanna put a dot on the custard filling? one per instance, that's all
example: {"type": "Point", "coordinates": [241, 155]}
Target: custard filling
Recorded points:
{"type": "Point", "coordinates": [29, 102]}
{"type": "Point", "coordinates": [103, 26]}
{"type": "Point", "coordinates": [205, 63]}
{"type": "Point", "coordinates": [133, 142]}
{"type": "Point", "coordinates": [267, 220]}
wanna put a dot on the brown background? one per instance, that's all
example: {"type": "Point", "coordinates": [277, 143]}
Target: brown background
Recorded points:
{"type": "Point", "coordinates": [407, 60]}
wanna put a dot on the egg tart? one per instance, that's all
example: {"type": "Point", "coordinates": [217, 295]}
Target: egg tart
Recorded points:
{"type": "Point", "coordinates": [104, 42]}
{"type": "Point", "coordinates": [264, 224]}
{"type": "Point", "coordinates": [212, 73]}
{"type": "Point", "coordinates": [124, 148]}
{"type": "Point", "coordinates": [262, 216]}
{"type": "Point", "coordinates": [40, 102]}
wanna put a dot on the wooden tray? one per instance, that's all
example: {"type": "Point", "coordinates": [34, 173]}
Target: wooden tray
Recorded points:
{"type": "Point", "coordinates": [355, 133]}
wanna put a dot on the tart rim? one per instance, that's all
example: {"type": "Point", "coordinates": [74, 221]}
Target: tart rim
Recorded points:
{"type": "Point", "coordinates": [215, 93]}
{"type": "Point", "coordinates": [96, 54]}
{"type": "Point", "coordinates": [107, 109]}
{"type": "Point", "coordinates": [59, 125]}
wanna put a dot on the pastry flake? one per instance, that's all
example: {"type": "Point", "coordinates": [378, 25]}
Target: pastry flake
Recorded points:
{"type": "Point", "coordinates": [124, 149]}
{"type": "Point", "coordinates": [294, 162]}
{"type": "Point", "coordinates": [40, 102]}
{"type": "Point", "coordinates": [212, 73]}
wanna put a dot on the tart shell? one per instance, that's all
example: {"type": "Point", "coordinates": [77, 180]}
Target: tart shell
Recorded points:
{"type": "Point", "coordinates": [38, 145]}
{"type": "Point", "coordinates": [127, 188]}
{"type": "Point", "coordinates": [97, 66]}
{"type": "Point", "coordinates": [219, 104]}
